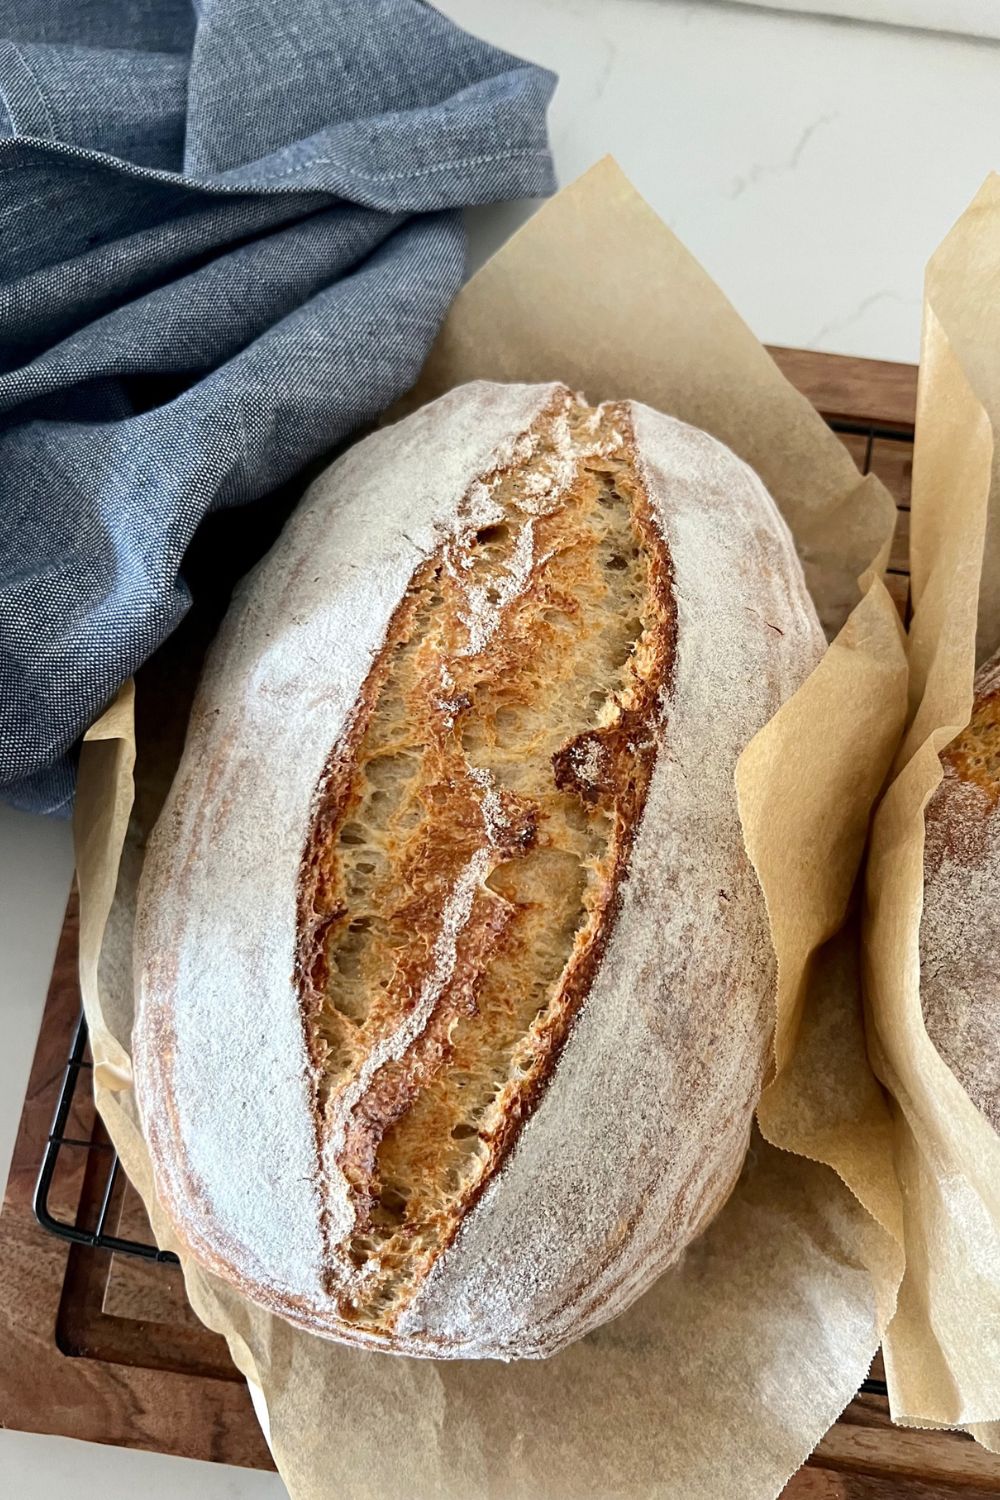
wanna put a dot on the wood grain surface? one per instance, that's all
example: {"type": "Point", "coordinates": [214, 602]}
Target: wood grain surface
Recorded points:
{"type": "Point", "coordinates": [66, 1365]}
{"type": "Point", "coordinates": [105, 1347]}
{"type": "Point", "coordinates": [862, 390]}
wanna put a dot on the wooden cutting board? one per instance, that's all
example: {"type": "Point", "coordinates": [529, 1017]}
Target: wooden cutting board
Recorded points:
{"type": "Point", "coordinates": [103, 1346]}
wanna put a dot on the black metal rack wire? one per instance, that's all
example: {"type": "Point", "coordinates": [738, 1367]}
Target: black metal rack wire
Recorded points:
{"type": "Point", "coordinates": [77, 1062]}
{"type": "Point", "coordinates": [58, 1141]}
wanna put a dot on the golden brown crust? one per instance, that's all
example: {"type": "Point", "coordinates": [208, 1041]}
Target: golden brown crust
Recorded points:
{"type": "Point", "coordinates": [961, 814]}
{"type": "Point", "coordinates": [974, 755]}
{"type": "Point", "coordinates": [576, 563]}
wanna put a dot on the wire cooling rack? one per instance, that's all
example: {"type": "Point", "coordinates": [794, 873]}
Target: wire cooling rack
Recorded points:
{"type": "Point", "coordinates": [98, 1238]}
{"type": "Point", "coordinates": [58, 1141]}
{"type": "Point", "coordinates": [78, 1062]}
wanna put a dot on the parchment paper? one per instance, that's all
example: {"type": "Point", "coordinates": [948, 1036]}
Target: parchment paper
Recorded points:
{"type": "Point", "coordinates": [942, 1349]}
{"type": "Point", "coordinates": [719, 1381]}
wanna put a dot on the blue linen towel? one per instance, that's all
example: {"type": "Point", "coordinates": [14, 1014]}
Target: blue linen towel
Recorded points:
{"type": "Point", "coordinates": [228, 235]}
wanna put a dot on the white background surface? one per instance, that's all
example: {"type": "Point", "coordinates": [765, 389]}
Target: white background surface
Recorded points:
{"type": "Point", "coordinates": [812, 166]}
{"type": "Point", "coordinates": [967, 17]}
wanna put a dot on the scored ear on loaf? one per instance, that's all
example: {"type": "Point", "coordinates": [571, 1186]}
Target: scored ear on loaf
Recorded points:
{"type": "Point", "coordinates": [454, 982]}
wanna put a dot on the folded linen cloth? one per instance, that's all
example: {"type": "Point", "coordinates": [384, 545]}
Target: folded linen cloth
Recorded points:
{"type": "Point", "coordinates": [229, 234]}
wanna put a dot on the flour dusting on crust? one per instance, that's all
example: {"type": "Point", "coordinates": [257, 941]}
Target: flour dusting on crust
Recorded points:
{"type": "Point", "coordinates": [646, 1126]}
{"type": "Point", "coordinates": [960, 925]}
{"type": "Point", "coordinates": [218, 1031]}
{"type": "Point", "coordinates": [643, 1127]}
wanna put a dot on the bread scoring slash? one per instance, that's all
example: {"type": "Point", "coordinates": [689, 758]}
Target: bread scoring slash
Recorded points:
{"type": "Point", "coordinates": [454, 983]}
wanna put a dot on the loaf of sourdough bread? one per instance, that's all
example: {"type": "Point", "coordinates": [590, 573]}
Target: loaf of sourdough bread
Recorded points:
{"type": "Point", "coordinates": [960, 924]}
{"type": "Point", "coordinates": [454, 981]}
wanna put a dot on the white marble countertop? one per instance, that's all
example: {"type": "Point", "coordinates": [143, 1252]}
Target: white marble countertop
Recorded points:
{"type": "Point", "coordinates": [812, 166]}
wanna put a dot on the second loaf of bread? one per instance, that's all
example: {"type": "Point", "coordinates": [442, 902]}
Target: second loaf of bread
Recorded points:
{"type": "Point", "coordinates": [455, 988]}
{"type": "Point", "coordinates": [960, 924]}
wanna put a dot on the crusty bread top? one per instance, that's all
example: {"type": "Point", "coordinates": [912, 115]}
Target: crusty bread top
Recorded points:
{"type": "Point", "coordinates": [252, 907]}
{"type": "Point", "coordinates": [470, 835]}
{"type": "Point", "coordinates": [219, 1031]}
{"type": "Point", "coordinates": [960, 926]}
{"type": "Point", "coordinates": [637, 1144]}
